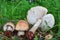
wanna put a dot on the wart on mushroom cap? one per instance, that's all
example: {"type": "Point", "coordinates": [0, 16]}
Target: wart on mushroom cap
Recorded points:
{"type": "Point", "coordinates": [36, 13]}
{"type": "Point", "coordinates": [9, 26]}
{"type": "Point", "coordinates": [47, 22]}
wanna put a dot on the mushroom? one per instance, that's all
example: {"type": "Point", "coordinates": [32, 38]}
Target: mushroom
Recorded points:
{"type": "Point", "coordinates": [9, 28]}
{"type": "Point", "coordinates": [34, 17]}
{"type": "Point", "coordinates": [48, 37]}
{"type": "Point", "coordinates": [36, 13]}
{"type": "Point", "coordinates": [21, 27]}
{"type": "Point", "coordinates": [48, 22]}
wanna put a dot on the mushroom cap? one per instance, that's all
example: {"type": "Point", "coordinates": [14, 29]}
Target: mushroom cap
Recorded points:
{"type": "Point", "coordinates": [22, 25]}
{"type": "Point", "coordinates": [36, 13]}
{"type": "Point", "coordinates": [9, 26]}
{"type": "Point", "coordinates": [47, 22]}
{"type": "Point", "coordinates": [48, 37]}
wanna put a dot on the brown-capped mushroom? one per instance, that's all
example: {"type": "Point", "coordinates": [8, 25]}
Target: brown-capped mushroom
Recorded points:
{"type": "Point", "coordinates": [21, 27]}
{"type": "Point", "coordinates": [36, 13]}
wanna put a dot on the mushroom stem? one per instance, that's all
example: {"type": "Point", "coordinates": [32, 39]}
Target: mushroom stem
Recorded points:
{"type": "Point", "coordinates": [20, 33]}
{"type": "Point", "coordinates": [8, 33]}
{"type": "Point", "coordinates": [35, 27]}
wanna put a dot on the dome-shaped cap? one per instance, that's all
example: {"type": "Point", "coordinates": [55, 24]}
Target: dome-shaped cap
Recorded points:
{"type": "Point", "coordinates": [22, 25]}
{"type": "Point", "coordinates": [36, 13]}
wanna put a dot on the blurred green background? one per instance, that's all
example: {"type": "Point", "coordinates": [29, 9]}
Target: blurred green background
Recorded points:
{"type": "Point", "coordinates": [14, 10]}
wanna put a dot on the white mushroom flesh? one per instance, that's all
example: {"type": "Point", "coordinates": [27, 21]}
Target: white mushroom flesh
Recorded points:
{"type": "Point", "coordinates": [35, 27]}
{"type": "Point", "coordinates": [9, 28]}
{"type": "Point", "coordinates": [20, 33]}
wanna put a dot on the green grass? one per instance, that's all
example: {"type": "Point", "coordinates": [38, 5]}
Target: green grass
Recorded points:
{"type": "Point", "coordinates": [17, 10]}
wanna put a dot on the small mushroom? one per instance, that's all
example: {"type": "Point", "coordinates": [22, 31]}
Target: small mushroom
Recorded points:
{"type": "Point", "coordinates": [48, 37]}
{"type": "Point", "coordinates": [9, 28]}
{"type": "Point", "coordinates": [34, 17]}
{"type": "Point", "coordinates": [21, 27]}
{"type": "Point", "coordinates": [48, 22]}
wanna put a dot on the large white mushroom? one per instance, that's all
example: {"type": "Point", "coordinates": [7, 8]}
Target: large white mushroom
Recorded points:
{"type": "Point", "coordinates": [36, 13]}
{"type": "Point", "coordinates": [34, 17]}
{"type": "Point", "coordinates": [48, 22]}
